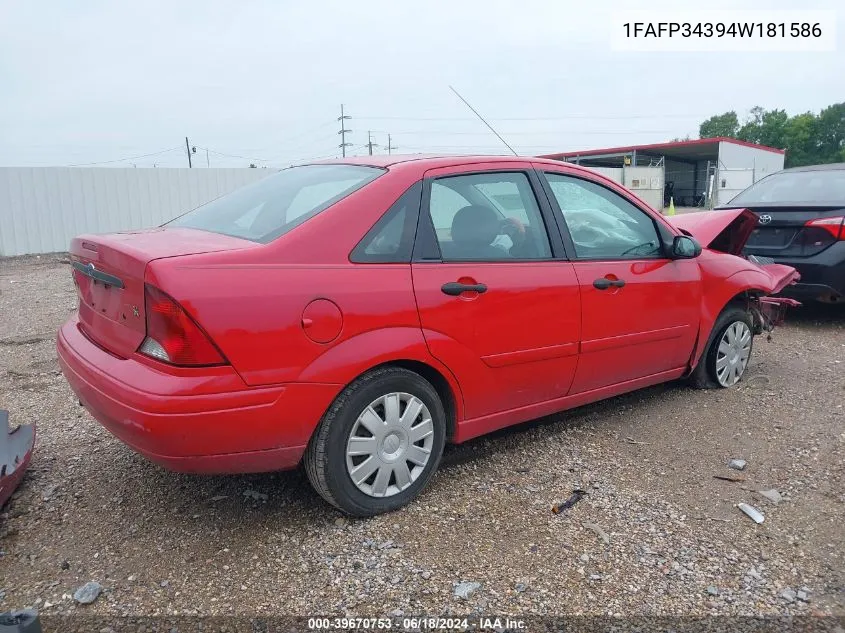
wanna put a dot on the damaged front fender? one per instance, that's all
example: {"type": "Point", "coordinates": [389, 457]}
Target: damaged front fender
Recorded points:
{"type": "Point", "coordinates": [729, 277]}
{"type": "Point", "coordinates": [781, 276]}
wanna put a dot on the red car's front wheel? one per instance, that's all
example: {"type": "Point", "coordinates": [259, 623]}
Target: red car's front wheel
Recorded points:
{"type": "Point", "coordinates": [723, 363]}
{"type": "Point", "coordinates": [379, 443]}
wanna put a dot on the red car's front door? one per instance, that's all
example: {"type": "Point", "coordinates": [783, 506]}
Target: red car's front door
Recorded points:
{"type": "Point", "coordinates": [640, 310]}
{"type": "Point", "coordinates": [497, 304]}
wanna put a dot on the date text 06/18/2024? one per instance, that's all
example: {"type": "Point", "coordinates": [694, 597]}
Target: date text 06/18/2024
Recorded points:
{"type": "Point", "coordinates": [414, 624]}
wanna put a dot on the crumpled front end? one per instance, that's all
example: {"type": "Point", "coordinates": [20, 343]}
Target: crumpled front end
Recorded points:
{"type": "Point", "coordinates": [769, 312]}
{"type": "Point", "coordinates": [727, 232]}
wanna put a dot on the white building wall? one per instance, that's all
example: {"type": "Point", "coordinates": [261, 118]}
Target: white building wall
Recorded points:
{"type": "Point", "coordinates": [645, 182]}
{"type": "Point", "coordinates": [736, 156]}
{"type": "Point", "coordinates": [614, 173]}
{"type": "Point", "coordinates": [741, 166]}
{"type": "Point", "coordinates": [42, 208]}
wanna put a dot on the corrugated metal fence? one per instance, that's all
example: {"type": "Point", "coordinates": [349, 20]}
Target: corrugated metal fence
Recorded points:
{"type": "Point", "coordinates": [42, 208]}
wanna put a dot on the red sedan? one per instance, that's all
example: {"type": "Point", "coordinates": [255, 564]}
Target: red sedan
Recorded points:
{"type": "Point", "coordinates": [357, 315]}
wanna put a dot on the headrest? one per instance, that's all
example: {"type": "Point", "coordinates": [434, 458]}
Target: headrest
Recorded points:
{"type": "Point", "coordinates": [475, 225]}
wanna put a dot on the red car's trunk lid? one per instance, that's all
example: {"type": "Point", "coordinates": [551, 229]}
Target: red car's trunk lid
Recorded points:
{"type": "Point", "coordinates": [109, 274]}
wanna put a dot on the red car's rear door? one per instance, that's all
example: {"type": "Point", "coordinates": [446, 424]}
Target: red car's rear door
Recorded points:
{"type": "Point", "coordinates": [502, 312]}
{"type": "Point", "coordinates": [640, 310]}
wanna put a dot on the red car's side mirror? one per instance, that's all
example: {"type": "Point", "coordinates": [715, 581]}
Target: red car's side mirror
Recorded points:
{"type": "Point", "coordinates": [685, 247]}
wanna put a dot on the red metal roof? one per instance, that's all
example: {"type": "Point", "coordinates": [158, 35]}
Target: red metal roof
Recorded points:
{"type": "Point", "coordinates": [659, 146]}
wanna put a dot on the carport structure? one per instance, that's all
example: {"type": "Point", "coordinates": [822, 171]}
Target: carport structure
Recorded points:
{"type": "Point", "coordinates": [701, 173]}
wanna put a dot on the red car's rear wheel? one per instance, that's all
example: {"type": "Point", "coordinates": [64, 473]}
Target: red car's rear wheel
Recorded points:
{"type": "Point", "coordinates": [379, 443]}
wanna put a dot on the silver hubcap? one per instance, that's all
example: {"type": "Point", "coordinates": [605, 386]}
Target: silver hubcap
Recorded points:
{"type": "Point", "coordinates": [734, 350]}
{"type": "Point", "coordinates": [390, 444]}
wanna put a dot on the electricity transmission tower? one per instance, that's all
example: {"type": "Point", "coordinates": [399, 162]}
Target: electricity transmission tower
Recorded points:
{"type": "Point", "coordinates": [370, 144]}
{"type": "Point", "coordinates": [390, 146]}
{"type": "Point", "coordinates": [343, 131]}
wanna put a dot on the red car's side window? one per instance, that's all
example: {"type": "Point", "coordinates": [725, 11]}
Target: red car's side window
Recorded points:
{"type": "Point", "coordinates": [601, 223]}
{"type": "Point", "coordinates": [487, 217]}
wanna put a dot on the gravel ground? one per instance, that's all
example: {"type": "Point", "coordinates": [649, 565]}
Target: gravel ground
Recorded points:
{"type": "Point", "coordinates": [656, 534]}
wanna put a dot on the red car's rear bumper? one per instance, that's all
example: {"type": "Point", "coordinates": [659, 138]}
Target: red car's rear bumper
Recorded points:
{"type": "Point", "coordinates": [204, 420]}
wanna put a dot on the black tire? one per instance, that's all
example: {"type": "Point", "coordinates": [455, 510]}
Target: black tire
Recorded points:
{"type": "Point", "coordinates": [704, 376]}
{"type": "Point", "coordinates": [325, 457]}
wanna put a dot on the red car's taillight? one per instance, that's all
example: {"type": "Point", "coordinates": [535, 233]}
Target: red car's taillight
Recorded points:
{"type": "Point", "coordinates": [834, 226]}
{"type": "Point", "coordinates": [173, 336]}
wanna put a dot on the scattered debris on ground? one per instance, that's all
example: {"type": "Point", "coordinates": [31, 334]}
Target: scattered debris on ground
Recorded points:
{"type": "Point", "coordinates": [88, 592]}
{"type": "Point", "coordinates": [772, 495]}
{"type": "Point", "coordinates": [598, 532]}
{"type": "Point", "coordinates": [464, 589]}
{"type": "Point", "coordinates": [574, 498]}
{"type": "Point", "coordinates": [753, 513]}
{"type": "Point", "coordinates": [730, 478]}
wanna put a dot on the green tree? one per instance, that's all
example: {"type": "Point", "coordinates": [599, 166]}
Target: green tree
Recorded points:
{"type": "Point", "coordinates": [725, 124]}
{"type": "Point", "coordinates": [773, 129]}
{"type": "Point", "coordinates": [831, 133]}
{"type": "Point", "coordinates": [807, 138]}
{"type": "Point", "coordinates": [750, 130]}
{"type": "Point", "coordinates": [765, 127]}
{"type": "Point", "coordinates": [802, 140]}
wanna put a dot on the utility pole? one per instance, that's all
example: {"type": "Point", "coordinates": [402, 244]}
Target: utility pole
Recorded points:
{"type": "Point", "coordinates": [370, 144]}
{"type": "Point", "coordinates": [390, 146]}
{"type": "Point", "coordinates": [207, 162]}
{"type": "Point", "coordinates": [188, 147]}
{"type": "Point", "coordinates": [343, 131]}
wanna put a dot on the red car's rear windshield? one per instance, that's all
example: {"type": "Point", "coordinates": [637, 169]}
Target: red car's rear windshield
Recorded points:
{"type": "Point", "coordinates": [271, 207]}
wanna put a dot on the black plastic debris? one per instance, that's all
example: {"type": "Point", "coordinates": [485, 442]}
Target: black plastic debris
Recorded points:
{"type": "Point", "coordinates": [574, 498]}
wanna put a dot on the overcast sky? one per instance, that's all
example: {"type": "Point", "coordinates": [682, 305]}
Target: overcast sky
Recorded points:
{"type": "Point", "coordinates": [262, 81]}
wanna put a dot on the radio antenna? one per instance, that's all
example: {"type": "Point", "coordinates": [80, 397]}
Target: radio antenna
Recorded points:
{"type": "Point", "coordinates": [499, 136]}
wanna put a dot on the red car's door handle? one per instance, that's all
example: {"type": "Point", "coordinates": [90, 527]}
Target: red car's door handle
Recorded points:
{"type": "Point", "coordinates": [455, 288]}
{"type": "Point", "coordinates": [603, 283]}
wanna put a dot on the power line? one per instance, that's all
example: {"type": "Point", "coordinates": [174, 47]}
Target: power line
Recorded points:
{"type": "Point", "coordinates": [537, 133]}
{"type": "Point", "coordinates": [282, 157]}
{"type": "Point", "coordinates": [550, 118]}
{"type": "Point", "coordinates": [300, 135]}
{"type": "Point", "coordinates": [424, 147]}
{"type": "Point", "coordinates": [313, 158]}
{"type": "Point", "coordinates": [260, 160]}
{"type": "Point", "coordinates": [120, 160]}
{"type": "Point", "coordinates": [308, 143]}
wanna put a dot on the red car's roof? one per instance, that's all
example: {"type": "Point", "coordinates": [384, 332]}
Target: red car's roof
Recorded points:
{"type": "Point", "coordinates": [430, 161]}
{"type": "Point", "coordinates": [433, 161]}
